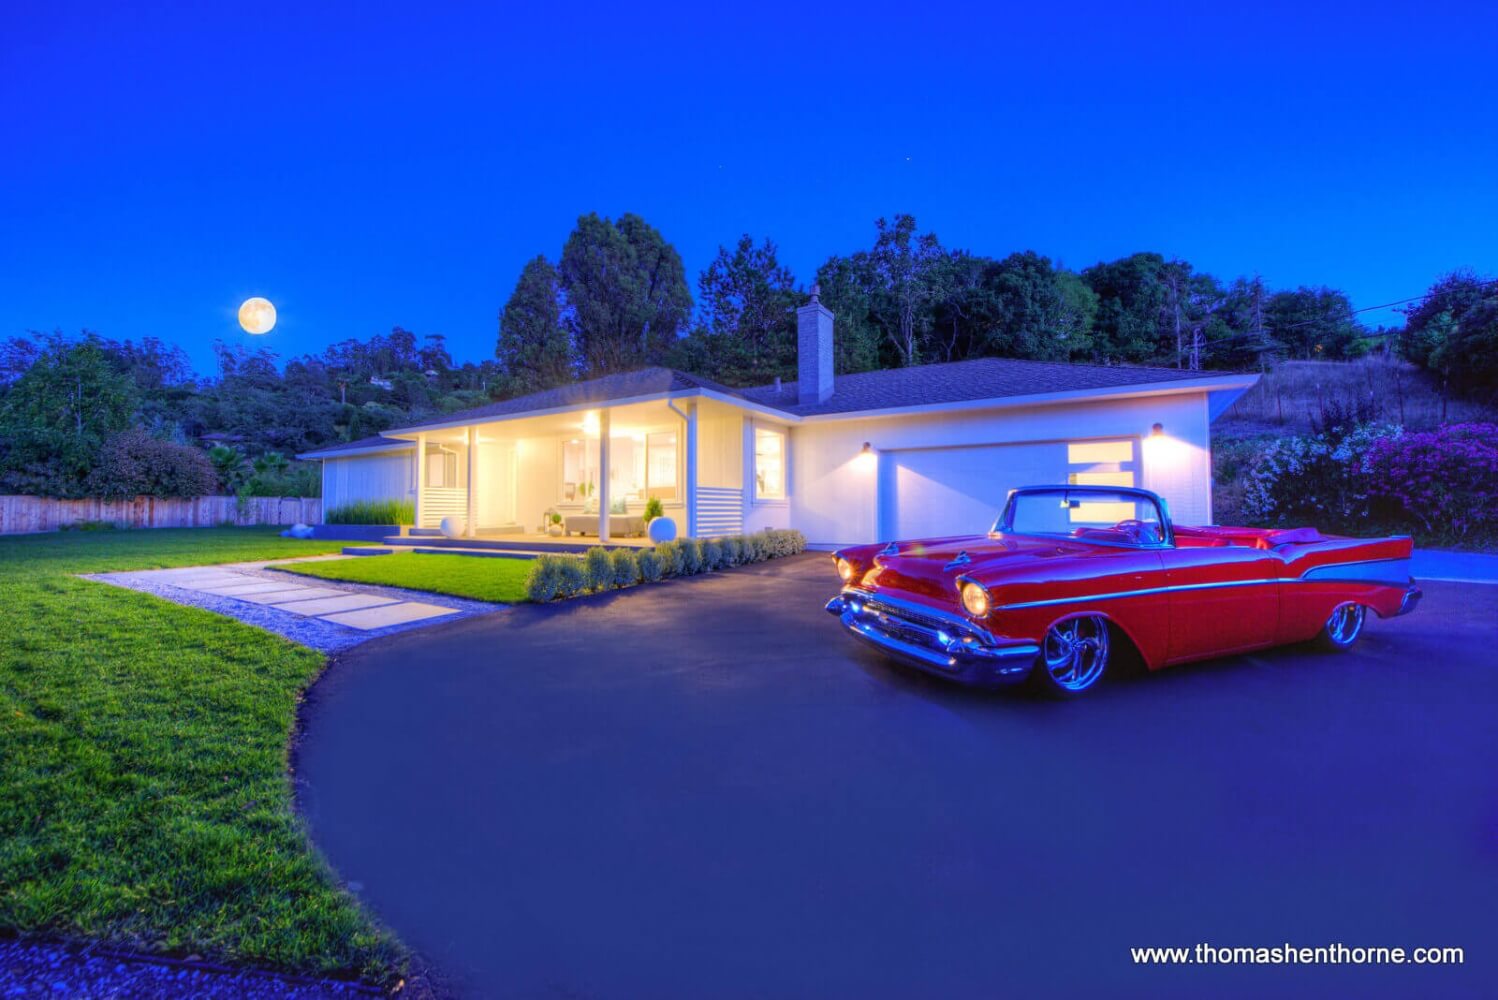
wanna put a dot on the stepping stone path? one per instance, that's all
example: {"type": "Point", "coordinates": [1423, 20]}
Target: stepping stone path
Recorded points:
{"type": "Point", "coordinates": [326, 615]}
{"type": "Point", "coordinates": [364, 613]}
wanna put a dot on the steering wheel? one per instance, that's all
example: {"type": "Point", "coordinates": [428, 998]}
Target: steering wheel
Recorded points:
{"type": "Point", "coordinates": [1138, 530]}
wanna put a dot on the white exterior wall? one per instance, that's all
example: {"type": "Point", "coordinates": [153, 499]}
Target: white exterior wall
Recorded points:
{"type": "Point", "coordinates": [833, 494]}
{"type": "Point", "coordinates": [384, 476]}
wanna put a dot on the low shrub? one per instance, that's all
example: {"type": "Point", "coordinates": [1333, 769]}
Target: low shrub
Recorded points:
{"type": "Point", "coordinates": [545, 580]}
{"type": "Point", "coordinates": [372, 512]}
{"type": "Point", "coordinates": [91, 526]}
{"type": "Point", "coordinates": [753, 549]}
{"type": "Point", "coordinates": [691, 557]}
{"type": "Point", "coordinates": [598, 569]}
{"type": "Point", "coordinates": [649, 562]}
{"type": "Point", "coordinates": [712, 555]}
{"type": "Point", "coordinates": [782, 542]}
{"type": "Point", "coordinates": [626, 567]}
{"type": "Point", "coordinates": [572, 576]}
{"type": "Point", "coordinates": [672, 559]}
{"type": "Point", "coordinates": [733, 550]}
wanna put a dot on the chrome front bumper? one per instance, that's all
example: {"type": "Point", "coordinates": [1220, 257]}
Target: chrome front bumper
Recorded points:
{"type": "Point", "coordinates": [933, 640]}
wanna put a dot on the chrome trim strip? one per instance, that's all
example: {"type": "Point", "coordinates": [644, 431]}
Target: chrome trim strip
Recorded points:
{"type": "Point", "coordinates": [1194, 586]}
{"type": "Point", "coordinates": [1138, 593]}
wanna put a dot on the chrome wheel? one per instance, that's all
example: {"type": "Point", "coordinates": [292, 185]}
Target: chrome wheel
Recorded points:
{"type": "Point", "coordinates": [1076, 652]}
{"type": "Point", "coordinates": [1345, 625]}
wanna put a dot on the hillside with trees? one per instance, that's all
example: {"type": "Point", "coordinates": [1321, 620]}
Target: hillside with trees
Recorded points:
{"type": "Point", "coordinates": [86, 415]}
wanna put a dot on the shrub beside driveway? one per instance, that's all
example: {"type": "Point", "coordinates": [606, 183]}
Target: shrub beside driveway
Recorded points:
{"type": "Point", "coordinates": [554, 577]}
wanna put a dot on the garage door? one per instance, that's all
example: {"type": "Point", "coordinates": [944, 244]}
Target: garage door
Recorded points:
{"type": "Point", "coordinates": [959, 491]}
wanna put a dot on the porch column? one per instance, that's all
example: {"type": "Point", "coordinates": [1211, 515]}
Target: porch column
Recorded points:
{"type": "Point", "coordinates": [469, 520]}
{"type": "Point", "coordinates": [603, 476]}
{"type": "Point", "coordinates": [421, 475]}
{"type": "Point", "coordinates": [691, 497]}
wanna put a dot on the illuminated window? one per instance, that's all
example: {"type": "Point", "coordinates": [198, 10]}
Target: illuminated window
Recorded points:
{"type": "Point", "coordinates": [640, 466]}
{"type": "Point", "coordinates": [1099, 452]}
{"type": "Point", "coordinates": [769, 464]}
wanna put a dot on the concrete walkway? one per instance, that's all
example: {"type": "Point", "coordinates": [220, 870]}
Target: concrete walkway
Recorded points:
{"type": "Point", "coordinates": [324, 614]}
{"type": "Point", "coordinates": [1454, 567]}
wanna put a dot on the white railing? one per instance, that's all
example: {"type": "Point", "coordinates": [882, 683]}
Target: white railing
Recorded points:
{"type": "Point", "coordinates": [438, 502]}
{"type": "Point", "coordinates": [720, 511]}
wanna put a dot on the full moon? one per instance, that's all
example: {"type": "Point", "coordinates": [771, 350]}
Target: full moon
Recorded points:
{"type": "Point", "coordinates": [257, 315]}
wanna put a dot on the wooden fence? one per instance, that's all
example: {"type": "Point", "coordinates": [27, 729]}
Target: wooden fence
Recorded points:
{"type": "Point", "coordinates": [20, 514]}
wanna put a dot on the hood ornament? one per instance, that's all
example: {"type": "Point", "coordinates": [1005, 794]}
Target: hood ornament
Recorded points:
{"type": "Point", "coordinates": [962, 560]}
{"type": "Point", "coordinates": [892, 549]}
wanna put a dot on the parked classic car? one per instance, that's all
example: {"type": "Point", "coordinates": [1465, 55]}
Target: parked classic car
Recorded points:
{"type": "Point", "coordinates": [1073, 578]}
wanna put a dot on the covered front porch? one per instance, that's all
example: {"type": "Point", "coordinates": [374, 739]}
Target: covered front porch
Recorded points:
{"type": "Point", "coordinates": [584, 475]}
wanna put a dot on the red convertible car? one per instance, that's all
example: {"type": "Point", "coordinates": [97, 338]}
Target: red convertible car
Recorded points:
{"type": "Point", "coordinates": [1073, 577]}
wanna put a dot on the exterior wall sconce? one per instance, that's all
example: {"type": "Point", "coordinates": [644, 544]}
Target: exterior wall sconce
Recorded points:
{"type": "Point", "coordinates": [868, 449]}
{"type": "Point", "coordinates": [1157, 431]}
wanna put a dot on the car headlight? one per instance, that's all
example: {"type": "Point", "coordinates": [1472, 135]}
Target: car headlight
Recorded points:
{"type": "Point", "coordinates": [974, 598]}
{"type": "Point", "coordinates": [845, 570]}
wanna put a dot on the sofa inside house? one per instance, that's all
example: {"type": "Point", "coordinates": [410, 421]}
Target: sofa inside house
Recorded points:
{"type": "Point", "coordinates": [622, 524]}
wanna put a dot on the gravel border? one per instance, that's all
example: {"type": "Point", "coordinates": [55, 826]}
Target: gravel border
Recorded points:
{"type": "Point", "coordinates": [94, 972]}
{"type": "Point", "coordinates": [323, 636]}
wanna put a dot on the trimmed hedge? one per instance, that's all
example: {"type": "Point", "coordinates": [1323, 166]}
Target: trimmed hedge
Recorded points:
{"type": "Point", "coordinates": [557, 577]}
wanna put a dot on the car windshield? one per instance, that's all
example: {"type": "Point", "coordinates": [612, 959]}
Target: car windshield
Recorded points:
{"type": "Point", "coordinates": [1092, 515]}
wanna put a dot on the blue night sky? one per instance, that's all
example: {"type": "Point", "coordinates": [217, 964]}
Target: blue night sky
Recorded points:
{"type": "Point", "coordinates": [376, 165]}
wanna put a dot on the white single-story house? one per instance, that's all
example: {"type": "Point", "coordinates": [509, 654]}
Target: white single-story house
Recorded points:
{"type": "Point", "coordinates": [902, 453]}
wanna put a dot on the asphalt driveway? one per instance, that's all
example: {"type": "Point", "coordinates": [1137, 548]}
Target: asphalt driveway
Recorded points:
{"type": "Point", "coordinates": [703, 789]}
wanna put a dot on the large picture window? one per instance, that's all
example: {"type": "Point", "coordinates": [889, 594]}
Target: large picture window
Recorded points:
{"type": "Point", "coordinates": [769, 464]}
{"type": "Point", "coordinates": [640, 466]}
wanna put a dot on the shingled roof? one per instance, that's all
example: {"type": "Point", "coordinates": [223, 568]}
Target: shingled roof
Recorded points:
{"type": "Point", "coordinates": [625, 385]}
{"type": "Point", "coordinates": [964, 381]}
{"type": "Point", "coordinates": [375, 443]}
{"type": "Point", "coordinates": [894, 388]}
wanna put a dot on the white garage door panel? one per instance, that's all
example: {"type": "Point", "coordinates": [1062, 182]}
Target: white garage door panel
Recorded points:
{"type": "Point", "coordinates": [959, 491]}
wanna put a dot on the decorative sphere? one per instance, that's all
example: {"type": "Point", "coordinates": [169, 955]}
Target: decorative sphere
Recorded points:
{"type": "Point", "coordinates": [451, 527]}
{"type": "Point", "coordinates": [661, 529]}
{"type": "Point", "coordinates": [257, 315]}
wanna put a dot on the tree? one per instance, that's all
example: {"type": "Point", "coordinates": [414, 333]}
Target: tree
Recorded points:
{"type": "Point", "coordinates": [1453, 331]}
{"type": "Point", "coordinates": [1313, 323]}
{"type": "Point", "coordinates": [1133, 298]}
{"type": "Point", "coordinates": [904, 265]}
{"type": "Point", "coordinates": [55, 417]}
{"type": "Point", "coordinates": [533, 346]}
{"type": "Point", "coordinates": [746, 329]}
{"type": "Point", "coordinates": [626, 293]}
{"type": "Point", "coordinates": [845, 289]}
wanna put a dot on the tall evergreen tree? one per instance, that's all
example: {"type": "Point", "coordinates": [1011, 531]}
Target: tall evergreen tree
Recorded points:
{"type": "Point", "coordinates": [746, 330]}
{"type": "Point", "coordinates": [533, 345]}
{"type": "Point", "coordinates": [626, 293]}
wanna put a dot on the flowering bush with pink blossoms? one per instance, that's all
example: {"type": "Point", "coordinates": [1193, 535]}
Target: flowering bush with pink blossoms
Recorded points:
{"type": "Point", "coordinates": [1444, 480]}
{"type": "Point", "coordinates": [1374, 477]}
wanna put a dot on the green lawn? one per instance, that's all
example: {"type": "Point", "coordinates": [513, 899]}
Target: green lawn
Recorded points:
{"type": "Point", "coordinates": [144, 799]}
{"type": "Point", "coordinates": [476, 577]}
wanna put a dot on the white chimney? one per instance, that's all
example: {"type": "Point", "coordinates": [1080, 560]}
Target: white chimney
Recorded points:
{"type": "Point", "coordinates": [814, 350]}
